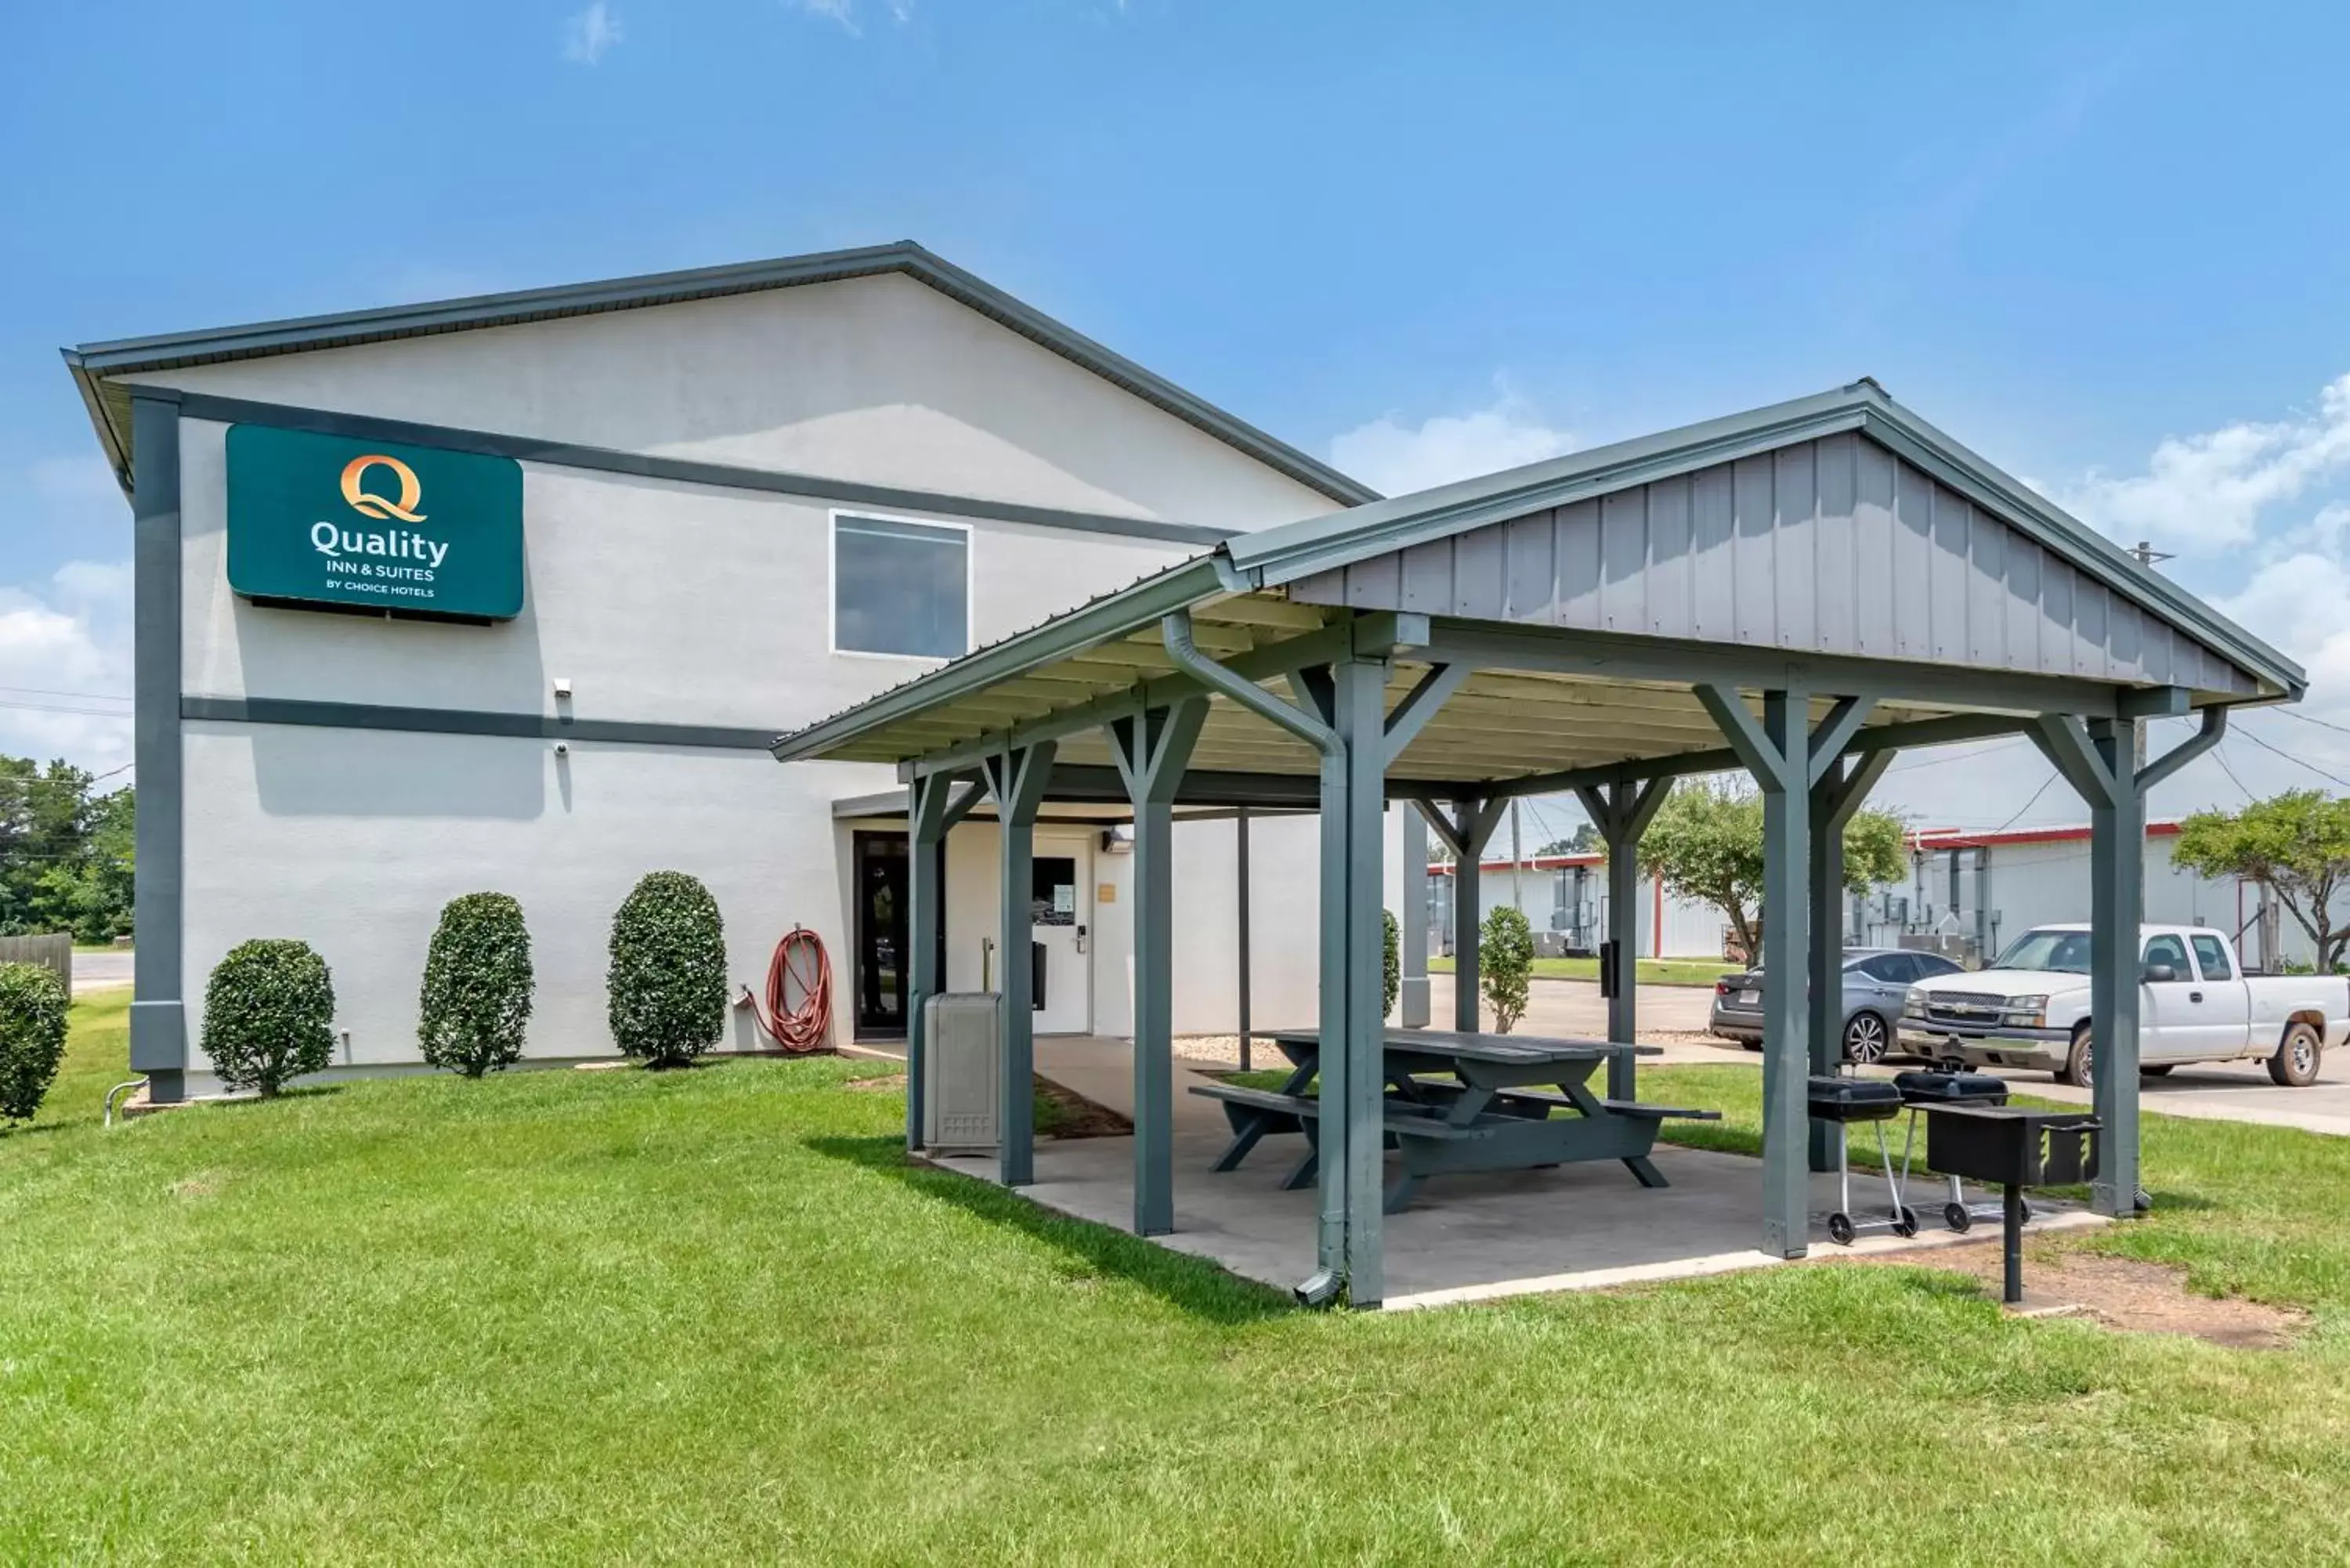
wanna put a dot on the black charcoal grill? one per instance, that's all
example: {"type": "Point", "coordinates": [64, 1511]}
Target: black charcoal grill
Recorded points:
{"type": "Point", "coordinates": [2012, 1148]}
{"type": "Point", "coordinates": [1845, 1101]}
{"type": "Point", "coordinates": [1919, 1090]}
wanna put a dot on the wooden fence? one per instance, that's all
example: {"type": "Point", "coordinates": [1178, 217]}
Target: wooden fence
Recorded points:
{"type": "Point", "coordinates": [50, 953]}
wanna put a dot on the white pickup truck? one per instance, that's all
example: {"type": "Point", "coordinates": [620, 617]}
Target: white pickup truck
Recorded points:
{"type": "Point", "coordinates": [2031, 1009]}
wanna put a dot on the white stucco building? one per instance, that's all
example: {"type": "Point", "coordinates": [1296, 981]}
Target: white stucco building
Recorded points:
{"type": "Point", "coordinates": [747, 497]}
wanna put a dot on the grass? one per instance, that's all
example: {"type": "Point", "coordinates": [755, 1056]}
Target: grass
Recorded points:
{"type": "Point", "coordinates": [1653, 972]}
{"type": "Point", "coordinates": [715, 1316]}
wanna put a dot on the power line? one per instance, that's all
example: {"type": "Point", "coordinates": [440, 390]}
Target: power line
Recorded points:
{"type": "Point", "coordinates": [2219, 755]}
{"type": "Point", "coordinates": [2288, 756]}
{"type": "Point", "coordinates": [2310, 718]}
{"type": "Point", "coordinates": [2028, 804]}
{"type": "Point", "coordinates": [93, 696]}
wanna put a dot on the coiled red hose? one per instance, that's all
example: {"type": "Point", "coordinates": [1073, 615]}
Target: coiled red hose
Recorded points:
{"type": "Point", "coordinates": [800, 963]}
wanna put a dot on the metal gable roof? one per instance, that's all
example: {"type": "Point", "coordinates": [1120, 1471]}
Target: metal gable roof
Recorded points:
{"type": "Point", "coordinates": [95, 366]}
{"type": "Point", "coordinates": [1264, 562]}
{"type": "Point", "coordinates": [1275, 556]}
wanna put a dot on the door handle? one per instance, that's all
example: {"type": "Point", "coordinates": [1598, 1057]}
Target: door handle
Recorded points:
{"type": "Point", "coordinates": [2194, 996]}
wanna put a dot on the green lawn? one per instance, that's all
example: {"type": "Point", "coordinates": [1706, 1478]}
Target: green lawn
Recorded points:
{"type": "Point", "coordinates": [1653, 972]}
{"type": "Point", "coordinates": [713, 1316]}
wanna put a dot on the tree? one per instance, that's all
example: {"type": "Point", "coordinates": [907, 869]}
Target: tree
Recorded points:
{"type": "Point", "coordinates": [2296, 844]}
{"type": "Point", "coordinates": [476, 997]}
{"type": "Point", "coordinates": [65, 854]}
{"type": "Point", "coordinates": [1391, 965]}
{"type": "Point", "coordinates": [32, 1037]}
{"type": "Point", "coordinates": [1585, 840]}
{"type": "Point", "coordinates": [269, 1015]}
{"type": "Point", "coordinates": [1706, 845]}
{"type": "Point", "coordinates": [667, 984]}
{"type": "Point", "coordinates": [1505, 965]}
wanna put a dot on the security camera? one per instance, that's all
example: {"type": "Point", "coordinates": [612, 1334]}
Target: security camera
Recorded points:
{"type": "Point", "coordinates": [562, 748]}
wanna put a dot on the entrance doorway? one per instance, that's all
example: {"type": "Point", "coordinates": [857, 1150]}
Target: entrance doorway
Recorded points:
{"type": "Point", "coordinates": [1061, 915]}
{"type": "Point", "coordinates": [880, 883]}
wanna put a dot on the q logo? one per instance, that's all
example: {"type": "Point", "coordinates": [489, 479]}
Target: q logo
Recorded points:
{"type": "Point", "coordinates": [369, 504]}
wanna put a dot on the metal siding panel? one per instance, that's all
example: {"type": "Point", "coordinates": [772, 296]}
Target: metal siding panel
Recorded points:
{"type": "Point", "coordinates": [1794, 545]}
{"type": "Point", "coordinates": [1426, 573]}
{"type": "Point", "coordinates": [1713, 570]}
{"type": "Point", "coordinates": [1670, 557]}
{"type": "Point", "coordinates": [1533, 568]}
{"type": "Point", "coordinates": [2024, 644]}
{"type": "Point", "coordinates": [1836, 604]}
{"type": "Point", "coordinates": [1321, 588]}
{"type": "Point", "coordinates": [2060, 640]}
{"type": "Point", "coordinates": [2090, 627]}
{"type": "Point", "coordinates": [1375, 583]}
{"type": "Point", "coordinates": [1952, 519]}
{"type": "Point", "coordinates": [1754, 621]}
{"type": "Point", "coordinates": [1913, 552]}
{"type": "Point", "coordinates": [1624, 560]}
{"type": "Point", "coordinates": [1481, 563]}
{"type": "Point", "coordinates": [1578, 565]}
{"type": "Point", "coordinates": [1986, 591]}
{"type": "Point", "coordinates": [1875, 607]}
{"type": "Point", "coordinates": [2124, 640]}
{"type": "Point", "coordinates": [2157, 661]}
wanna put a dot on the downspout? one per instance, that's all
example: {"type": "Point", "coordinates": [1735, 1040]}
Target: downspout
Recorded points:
{"type": "Point", "coordinates": [1175, 631]}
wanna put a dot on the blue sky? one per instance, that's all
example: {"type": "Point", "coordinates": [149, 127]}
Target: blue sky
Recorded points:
{"type": "Point", "coordinates": [2102, 245]}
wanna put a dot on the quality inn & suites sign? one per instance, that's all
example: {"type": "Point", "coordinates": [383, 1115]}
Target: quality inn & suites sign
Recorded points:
{"type": "Point", "coordinates": [317, 520]}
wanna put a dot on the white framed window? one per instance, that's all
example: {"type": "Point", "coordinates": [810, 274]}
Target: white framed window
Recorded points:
{"type": "Point", "coordinates": [900, 588]}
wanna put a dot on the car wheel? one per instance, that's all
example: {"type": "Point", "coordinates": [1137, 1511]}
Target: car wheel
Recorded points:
{"type": "Point", "coordinates": [1865, 1039]}
{"type": "Point", "coordinates": [2294, 1065]}
{"type": "Point", "coordinates": [2080, 1061]}
{"type": "Point", "coordinates": [1752, 1045]}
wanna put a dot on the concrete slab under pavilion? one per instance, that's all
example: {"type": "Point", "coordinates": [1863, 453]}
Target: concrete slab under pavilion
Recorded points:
{"type": "Point", "coordinates": [1802, 592]}
{"type": "Point", "coordinates": [1466, 1238]}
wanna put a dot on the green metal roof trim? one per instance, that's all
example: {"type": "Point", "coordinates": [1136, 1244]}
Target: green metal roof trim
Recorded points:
{"type": "Point", "coordinates": [1272, 557]}
{"type": "Point", "coordinates": [94, 363]}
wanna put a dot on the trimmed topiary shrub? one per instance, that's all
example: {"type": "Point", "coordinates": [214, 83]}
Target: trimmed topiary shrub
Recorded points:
{"type": "Point", "coordinates": [477, 986]}
{"type": "Point", "coordinates": [1390, 965]}
{"type": "Point", "coordinates": [1505, 965]}
{"type": "Point", "coordinates": [32, 1037]}
{"type": "Point", "coordinates": [270, 1010]}
{"type": "Point", "coordinates": [668, 981]}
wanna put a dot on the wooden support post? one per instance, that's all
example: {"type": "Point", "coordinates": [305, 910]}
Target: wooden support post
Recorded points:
{"type": "Point", "coordinates": [1779, 752]}
{"type": "Point", "coordinates": [1359, 692]}
{"type": "Point", "coordinates": [1622, 812]}
{"type": "Point", "coordinates": [1465, 832]}
{"type": "Point", "coordinates": [1411, 923]}
{"type": "Point", "coordinates": [1240, 924]}
{"type": "Point", "coordinates": [2098, 759]}
{"type": "Point", "coordinates": [1151, 749]}
{"type": "Point", "coordinates": [1016, 779]}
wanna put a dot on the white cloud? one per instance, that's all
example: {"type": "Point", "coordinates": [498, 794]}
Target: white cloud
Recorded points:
{"type": "Point", "coordinates": [2205, 493]}
{"type": "Point", "coordinates": [64, 667]}
{"type": "Point", "coordinates": [75, 480]}
{"type": "Point", "coordinates": [844, 12]}
{"type": "Point", "coordinates": [586, 35]}
{"type": "Point", "coordinates": [1401, 459]}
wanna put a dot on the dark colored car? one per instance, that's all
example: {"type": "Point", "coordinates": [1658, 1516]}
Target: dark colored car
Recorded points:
{"type": "Point", "coordinates": [1876, 982]}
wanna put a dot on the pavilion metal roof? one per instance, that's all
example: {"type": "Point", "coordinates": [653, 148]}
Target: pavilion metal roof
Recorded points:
{"type": "Point", "coordinates": [98, 367]}
{"type": "Point", "coordinates": [1503, 723]}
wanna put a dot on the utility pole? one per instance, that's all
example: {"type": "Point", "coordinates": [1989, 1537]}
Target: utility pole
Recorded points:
{"type": "Point", "coordinates": [1517, 880]}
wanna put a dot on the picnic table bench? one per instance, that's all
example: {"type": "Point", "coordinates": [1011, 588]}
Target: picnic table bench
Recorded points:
{"type": "Point", "coordinates": [1461, 1102]}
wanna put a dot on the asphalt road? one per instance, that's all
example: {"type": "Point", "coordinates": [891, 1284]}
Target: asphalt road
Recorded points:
{"type": "Point", "coordinates": [103, 969]}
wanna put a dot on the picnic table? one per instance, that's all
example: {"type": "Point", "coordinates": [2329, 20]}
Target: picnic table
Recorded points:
{"type": "Point", "coordinates": [1461, 1102]}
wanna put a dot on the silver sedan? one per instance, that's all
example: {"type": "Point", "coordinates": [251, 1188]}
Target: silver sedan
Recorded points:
{"type": "Point", "coordinates": [1875, 981]}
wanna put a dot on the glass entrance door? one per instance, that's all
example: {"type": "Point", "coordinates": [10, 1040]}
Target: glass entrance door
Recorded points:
{"type": "Point", "coordinates": [881, 882]}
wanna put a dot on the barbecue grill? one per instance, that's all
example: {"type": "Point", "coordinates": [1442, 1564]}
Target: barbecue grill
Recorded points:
{"type": "Point", "coordinates": [1919, 1090]}
{"type": "Point", "coordinates": [1845, 1101]}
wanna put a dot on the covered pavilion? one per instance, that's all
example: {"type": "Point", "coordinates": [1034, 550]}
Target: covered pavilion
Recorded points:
{"type": "Point", "coordinates": [1801, 591]}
